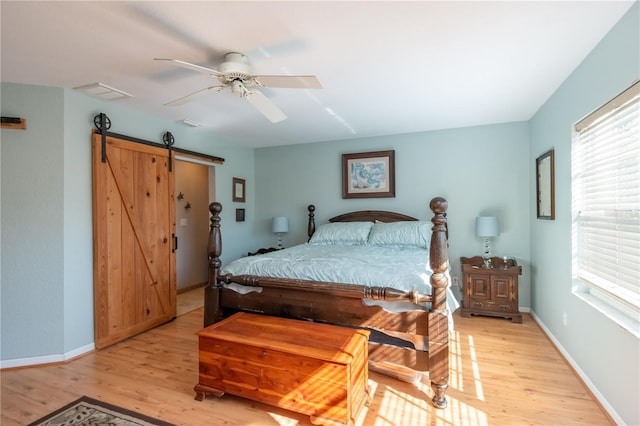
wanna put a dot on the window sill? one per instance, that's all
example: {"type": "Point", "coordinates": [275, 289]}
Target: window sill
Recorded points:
{"type": "Point", "coordinates": [627, 322]}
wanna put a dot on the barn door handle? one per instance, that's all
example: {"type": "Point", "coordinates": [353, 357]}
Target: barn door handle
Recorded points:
{"type": "Point", "coordinates": [175, 242]}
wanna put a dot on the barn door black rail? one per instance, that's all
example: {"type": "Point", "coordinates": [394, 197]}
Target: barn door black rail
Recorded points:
{"type": "Point", "coordinates": [103, 124]}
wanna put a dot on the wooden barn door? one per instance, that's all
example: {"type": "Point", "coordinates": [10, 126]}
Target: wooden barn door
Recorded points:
{"type": "Point", "coordinates": [134, 226]}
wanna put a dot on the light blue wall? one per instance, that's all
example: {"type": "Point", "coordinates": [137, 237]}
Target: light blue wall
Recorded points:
{"type": "Point", "coordinates": [479, 170]}
{"type": "Point", "coordinates": [78, 249]}
{"type": "Point", "coordinates": [32, 267]}
{"type": "Point", "coordinates": [607, 354]}
{"type": "Point", "coordinates": [46, 285]}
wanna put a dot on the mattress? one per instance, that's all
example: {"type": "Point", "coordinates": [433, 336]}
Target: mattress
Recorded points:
{"type": "Point", "coordinates": [400, 267]}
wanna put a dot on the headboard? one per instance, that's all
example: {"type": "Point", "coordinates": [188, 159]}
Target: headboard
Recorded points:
{"type": "Point", "coordinates": [361, 216]}
{"type": "Point", "coordinates": [372, 216]}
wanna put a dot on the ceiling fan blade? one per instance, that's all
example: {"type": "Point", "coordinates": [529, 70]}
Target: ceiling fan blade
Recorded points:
{"type": "Point", "coordinates": [265, 106]}
{"type": "Point", "coordinates": [191, 66]}
{"type": "Point", "coordinates": [191, 96]}
{"type": "Point", "coordinates": [289, 81]}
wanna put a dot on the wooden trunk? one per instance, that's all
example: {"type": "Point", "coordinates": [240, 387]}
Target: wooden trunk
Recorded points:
{"type": "Point", "coordinates": [315, 369]}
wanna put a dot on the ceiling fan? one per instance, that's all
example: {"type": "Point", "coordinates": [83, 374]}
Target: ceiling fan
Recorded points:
{"type": "Point", "coordinates": [236, 72]}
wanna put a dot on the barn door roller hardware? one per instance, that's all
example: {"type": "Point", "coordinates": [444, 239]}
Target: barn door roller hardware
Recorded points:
{"type": "Point", "coordinates": [103, 124]}
{"type": "Point", "coordinates": [169, 140]}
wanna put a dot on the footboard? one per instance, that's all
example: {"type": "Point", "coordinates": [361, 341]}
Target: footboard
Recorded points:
{"type": "Point", "coordinates": [398, 338]}
{"type": "Point", "coordinates": [341, 304]}
{"type": "Point", "coordinates": [335, 303]}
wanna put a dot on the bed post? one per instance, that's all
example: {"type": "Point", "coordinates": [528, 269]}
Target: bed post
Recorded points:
{"type": "Point", "coordinates": [438, 318]}
{"type": "Point", "coordinates": [212, 311]}
{"type": "Point", "coordinates": [311, 226]}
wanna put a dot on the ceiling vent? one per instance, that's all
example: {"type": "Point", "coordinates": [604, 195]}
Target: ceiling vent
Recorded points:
{"type": "Point", "coordinates": [102, 91]}
{"type": "Point", "coordinates": [192, 123]}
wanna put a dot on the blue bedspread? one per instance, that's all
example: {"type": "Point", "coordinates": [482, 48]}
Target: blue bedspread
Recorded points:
{"type": "Point", "coordinates": [403, 268]}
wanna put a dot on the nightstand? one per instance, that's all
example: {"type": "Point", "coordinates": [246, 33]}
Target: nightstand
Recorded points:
{"type": "Point", "coordinates": [263, 251]}
{"type": "Point", "coordinates": [490, 291]}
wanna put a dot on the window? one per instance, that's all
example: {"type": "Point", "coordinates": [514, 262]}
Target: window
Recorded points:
{"type": "Point", "coordinates": [606, 208]}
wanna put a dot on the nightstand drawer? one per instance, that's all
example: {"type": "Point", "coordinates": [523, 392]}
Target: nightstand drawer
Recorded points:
{"type": "Point", "coordinates": [484, 305]}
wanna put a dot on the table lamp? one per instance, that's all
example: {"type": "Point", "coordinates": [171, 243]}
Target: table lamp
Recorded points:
{"type": "Point", "coordinates": [487, 227]}
{"type": "Point", "coordinates": [279, 226]}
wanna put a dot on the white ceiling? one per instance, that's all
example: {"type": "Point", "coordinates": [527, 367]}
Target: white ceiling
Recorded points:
{"type": "Point", "coordinates": [386, 67]}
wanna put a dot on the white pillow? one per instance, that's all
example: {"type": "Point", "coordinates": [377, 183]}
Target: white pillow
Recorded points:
{"type": "Point", "coordinates": [409, 233]}
{"type": "Point", "coordinates": [342, 233]}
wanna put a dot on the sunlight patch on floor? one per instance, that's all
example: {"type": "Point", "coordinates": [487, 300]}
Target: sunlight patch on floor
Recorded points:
{"type": "Point", "coordinates": [283, 420]}
{"type": "Point", "coordinates": [396, 405]}
{"type": "Point", "coordinates": [461, 414]}
{"type": "Point", "coordinates": [455, 359]}
{"type": "Point", "coordinates": [476, 370]}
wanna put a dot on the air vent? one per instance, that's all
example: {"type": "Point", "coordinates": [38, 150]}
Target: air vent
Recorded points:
{"type": "Point", "coordinates": [102, 91]}
{"type": "Point", "coordinates": [191, 123]}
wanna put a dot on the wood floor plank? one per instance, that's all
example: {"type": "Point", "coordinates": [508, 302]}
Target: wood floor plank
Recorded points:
{"type": "Point", "coordinates": [501, 373]}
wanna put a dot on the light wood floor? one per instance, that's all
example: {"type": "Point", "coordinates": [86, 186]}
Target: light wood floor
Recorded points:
{"type": "Point", "coordinates": [501, 374]}
{"type": "Point", "coordinates": [189, 301]}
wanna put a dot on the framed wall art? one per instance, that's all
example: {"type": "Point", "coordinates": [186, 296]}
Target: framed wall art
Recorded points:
{"type": "Point", "coordinates": [239, 190]}
{"type": "Point", "coordinates": [239, 215]}
{"type": "Point", "coordinates": [545, 195]}
{"type": "Point", "coordinates": [368, 175]}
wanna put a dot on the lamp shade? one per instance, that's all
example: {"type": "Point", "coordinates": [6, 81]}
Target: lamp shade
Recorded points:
{"type": "Point", "coordinates": [487, 226]}
{"type": "Point", "coordinates": [280, 224]}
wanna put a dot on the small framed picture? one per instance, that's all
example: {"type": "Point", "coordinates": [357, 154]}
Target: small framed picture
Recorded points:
{"type": "Point", "coordinates": [368, 175]}
{"type": "Point", "coordinates": [239, 215]}
{"type": "Point", "coordinates": [239, 190]}
{"type": "Point", "coordinates": [545, 186]}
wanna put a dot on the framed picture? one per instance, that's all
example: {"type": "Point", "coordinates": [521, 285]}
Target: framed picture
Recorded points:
{"type": "Point", "coordinates": [239, 215]}
{"type": "Point", "coordinates": [239, 190]}
{"type": "Point", "coordinates": [368, 175]}
{"type": "Point", "coordinates": [545, 186]}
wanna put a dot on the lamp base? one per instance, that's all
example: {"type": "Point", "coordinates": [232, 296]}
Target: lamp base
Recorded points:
{"type": "Point", "coordinates": [487, 255]}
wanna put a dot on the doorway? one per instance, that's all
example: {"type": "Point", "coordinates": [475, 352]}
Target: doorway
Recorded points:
{"type": "Point", "coordinates": [193, 183]}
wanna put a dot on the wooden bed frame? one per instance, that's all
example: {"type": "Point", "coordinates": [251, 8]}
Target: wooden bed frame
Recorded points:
{"type": "Point", "coordinates": [427, 332]}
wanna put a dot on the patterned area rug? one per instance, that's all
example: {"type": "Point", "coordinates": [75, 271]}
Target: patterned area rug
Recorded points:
{"type": "Point", "coordinates": [90, 412]}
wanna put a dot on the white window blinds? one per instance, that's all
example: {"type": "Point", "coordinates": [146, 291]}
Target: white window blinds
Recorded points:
{"type": "Point", "coordinates": [606, 199]}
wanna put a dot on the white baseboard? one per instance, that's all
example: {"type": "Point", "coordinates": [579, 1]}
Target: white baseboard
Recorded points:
{"type": "Point", "coordinates": [601, 399]}
{"type": "Point", "coordinates": [80, 351]}
{"type": "Point", "coordinates": [46, 359]}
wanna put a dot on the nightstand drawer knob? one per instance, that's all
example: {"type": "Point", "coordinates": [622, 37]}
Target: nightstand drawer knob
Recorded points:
{"type": "Point", "coordinates": [477, 304]}
{"type": "Point", "coordinates": [263, 354]}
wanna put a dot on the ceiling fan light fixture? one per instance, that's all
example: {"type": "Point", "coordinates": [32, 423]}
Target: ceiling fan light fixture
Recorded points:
{"type": "Point", "coordinates": [102, 91]}
{"type": "Point", "coordinates": [238, 88]}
